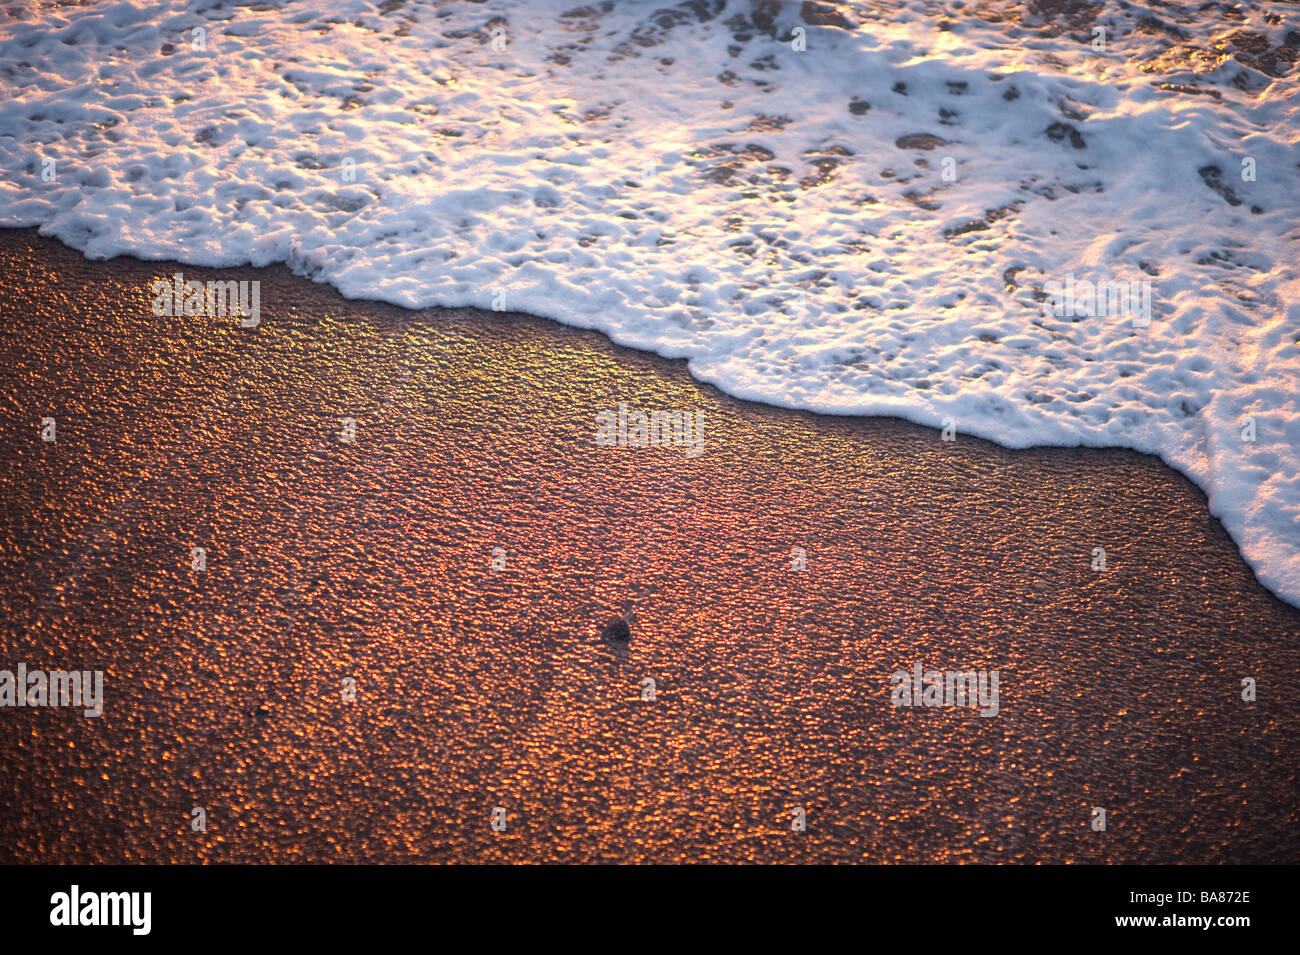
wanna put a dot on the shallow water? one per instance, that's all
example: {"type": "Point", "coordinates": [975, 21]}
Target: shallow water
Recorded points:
{"type": "Point", "coordinates": [870, 225]}
{"type": "Point", "coordinates": [479, 689]}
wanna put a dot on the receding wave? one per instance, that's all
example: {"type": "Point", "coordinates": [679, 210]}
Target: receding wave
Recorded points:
{"type": "Point", "coordinates": [1044, 222]}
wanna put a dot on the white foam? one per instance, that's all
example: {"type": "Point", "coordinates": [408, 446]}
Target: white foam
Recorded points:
{"type": "Point", "coordinates": [526, 170]}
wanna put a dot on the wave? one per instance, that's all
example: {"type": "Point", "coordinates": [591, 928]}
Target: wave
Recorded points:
{"type": "Point", "coordinates": [847, 208]}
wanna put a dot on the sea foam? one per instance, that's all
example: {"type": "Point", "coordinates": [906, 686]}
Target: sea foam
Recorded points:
{"type": "Point", "coordinates": [864, 226]}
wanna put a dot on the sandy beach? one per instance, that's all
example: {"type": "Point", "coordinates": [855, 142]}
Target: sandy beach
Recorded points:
{"type": "Point", "coordinates": [458, 561]}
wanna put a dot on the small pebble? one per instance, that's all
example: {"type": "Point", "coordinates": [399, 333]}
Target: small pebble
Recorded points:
{"type": "Point", "coordinates": [617, 629]}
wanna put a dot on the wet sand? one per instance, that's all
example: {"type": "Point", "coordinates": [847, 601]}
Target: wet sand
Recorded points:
{"type": "Point", "coordinates": [478, 689]}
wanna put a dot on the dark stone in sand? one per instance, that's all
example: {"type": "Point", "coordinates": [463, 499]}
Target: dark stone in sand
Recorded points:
{"type": "Point", "coordinates": [617, 630]}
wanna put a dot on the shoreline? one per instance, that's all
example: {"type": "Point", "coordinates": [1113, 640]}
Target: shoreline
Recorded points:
{"type": "Point", "coordinates": [280, 273]}
{"type": "Point", "coordinates": [478, 687]}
